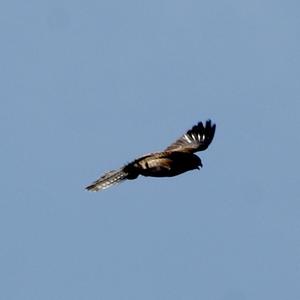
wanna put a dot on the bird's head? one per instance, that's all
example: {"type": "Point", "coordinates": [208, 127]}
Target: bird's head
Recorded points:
{"type": "Point", "coordinates": [197, 163]}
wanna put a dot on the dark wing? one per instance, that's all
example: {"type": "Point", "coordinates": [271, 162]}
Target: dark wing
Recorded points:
{"type": "Point", "coordinates": [196, 139]}
{"type": "Point", "coordinates": [107, 180]}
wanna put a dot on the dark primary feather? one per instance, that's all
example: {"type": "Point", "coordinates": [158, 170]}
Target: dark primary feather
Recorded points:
{"type": "Point", "coordinates": [196, 139]}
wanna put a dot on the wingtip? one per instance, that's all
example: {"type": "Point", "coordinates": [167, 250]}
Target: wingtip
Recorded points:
{"type": "Point", "coordinates": [209, 123]}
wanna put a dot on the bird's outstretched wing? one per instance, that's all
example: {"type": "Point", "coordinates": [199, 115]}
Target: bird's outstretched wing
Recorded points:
{"type": "Point", "coordinates": [107, 180]}
{"type": "Point", "coordinates": [196, 139]}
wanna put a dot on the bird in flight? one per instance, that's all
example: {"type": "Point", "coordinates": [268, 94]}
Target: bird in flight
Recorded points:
{"type": "Point", "coordinates": [177, 158]}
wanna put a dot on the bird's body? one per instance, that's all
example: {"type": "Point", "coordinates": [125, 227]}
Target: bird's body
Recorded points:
{"type": "Point", "coordinates": [176, 159]}
{"type": "Point", "coordinates": [165, 164]}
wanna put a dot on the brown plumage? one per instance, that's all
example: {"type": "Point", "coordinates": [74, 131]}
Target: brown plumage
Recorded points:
{"type": "Point", "coordinates": [178, 158]}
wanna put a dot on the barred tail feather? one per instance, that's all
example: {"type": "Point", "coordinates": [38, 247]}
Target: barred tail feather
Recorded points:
{"type": "Point", "coordinates": [107, 180]}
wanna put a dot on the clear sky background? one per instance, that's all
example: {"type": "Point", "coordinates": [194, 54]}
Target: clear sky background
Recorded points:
{"type": "Point", "coordinates": [87, 86]}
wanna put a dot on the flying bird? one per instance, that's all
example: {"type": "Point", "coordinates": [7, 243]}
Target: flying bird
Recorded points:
{"type": "Point", "coordinates": [177, 158]}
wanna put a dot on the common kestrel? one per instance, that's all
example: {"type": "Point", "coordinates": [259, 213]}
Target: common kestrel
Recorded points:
{"type": "Point", "coordinates": [178, 158]}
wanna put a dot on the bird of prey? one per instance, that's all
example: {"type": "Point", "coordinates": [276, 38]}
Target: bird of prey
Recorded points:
{"type": "Point", "coordinates": [177, 158]}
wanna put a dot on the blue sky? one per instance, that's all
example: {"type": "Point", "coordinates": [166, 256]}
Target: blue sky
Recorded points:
{"type": "Point", "coordinates": [87, 86]}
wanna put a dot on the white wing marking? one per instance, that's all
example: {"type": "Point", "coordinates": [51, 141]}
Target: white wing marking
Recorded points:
{"type": "Point", "coordinates": [187, 138]}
